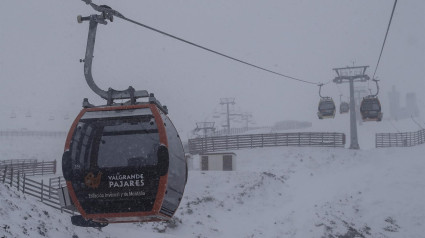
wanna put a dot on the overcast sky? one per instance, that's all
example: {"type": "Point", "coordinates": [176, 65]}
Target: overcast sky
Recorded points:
{"type": "Point", "coordinates": [41, 44]}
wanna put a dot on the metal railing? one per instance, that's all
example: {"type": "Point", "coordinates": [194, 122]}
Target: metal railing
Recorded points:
{"type": "Point", "coordinates": [307, 139]}
{"type": "Point", "coordinates": [33, 133]}
{"type": "Point", "coordinates": [17, 161]}
{"type": "Point", "coordinates": [29, 167]}
{"type": "Point", "coordinates": [402, 139]}
{"type": "Point", "coordinates": [46, 193]}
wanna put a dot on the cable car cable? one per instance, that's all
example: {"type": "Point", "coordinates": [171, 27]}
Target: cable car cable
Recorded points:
{"type": "Point", "coordinates": [411, 116]}
{"type": "Point", "coordinates": [391, 122]}
{"type": "Point", "coordinates": [385, 39]}
{"type": "Point", "coordinates": [119, 15]}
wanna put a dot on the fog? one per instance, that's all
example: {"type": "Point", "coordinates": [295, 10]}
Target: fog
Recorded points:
{"type": "Point", "coordinates": [41, 44]}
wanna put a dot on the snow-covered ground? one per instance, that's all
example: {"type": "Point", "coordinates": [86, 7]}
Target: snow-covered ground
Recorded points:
{"type": "Point", "coordinates": [275, 192]}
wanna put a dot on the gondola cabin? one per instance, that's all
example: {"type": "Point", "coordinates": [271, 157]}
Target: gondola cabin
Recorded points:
{"type": "Point", "coordinates": [326, 108]}
{"type": "Point", "coordinates": [124, 164]}
{"type": "Point", "coordinates": [370, 109]}
{"type": "Point", "coordinates": [344, 107]}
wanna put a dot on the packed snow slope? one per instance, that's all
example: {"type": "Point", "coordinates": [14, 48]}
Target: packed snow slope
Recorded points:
{"type": "Point", "coordinates": [275, 192]}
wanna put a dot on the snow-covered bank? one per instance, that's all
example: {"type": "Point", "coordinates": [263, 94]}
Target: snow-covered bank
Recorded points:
{"type": "Point", "coordinates": [24, 216]}
{"type": "Point", "coordinates": [276, 192]}
{"type": "Point", "coordinates": [293, 192]}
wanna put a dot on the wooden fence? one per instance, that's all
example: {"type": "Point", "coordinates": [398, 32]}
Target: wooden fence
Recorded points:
{"type": "Point", "coordinates": [308, 139]}
{"type": "Point", "coordinates": [46, 193]}
{"type": "Point", "coordinates": [403, 139]}
{"type": "Point", "coordinates": [33, 133]}
{"type": "Point", "coordinates": [17, 161]}
{"type": "Point", "coordinates": [29, 167]}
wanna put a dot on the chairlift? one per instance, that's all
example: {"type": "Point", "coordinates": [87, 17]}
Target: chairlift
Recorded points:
{"type": "Point", "coordinates": [326, 108]}
{"type": "Point", "coordinates": [123, 162]}
{"type": "Point", "coordinates": [370, 107]}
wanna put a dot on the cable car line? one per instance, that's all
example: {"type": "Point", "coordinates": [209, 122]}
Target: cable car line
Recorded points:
{"type": "Point", "coordinates": [411, 116]}
{"type": "Point", "coordinates": [104, 9]}
{"type": "Point", "coordinates": [392, 124]}
{"type": "Point", "coordinates": [385, 39]}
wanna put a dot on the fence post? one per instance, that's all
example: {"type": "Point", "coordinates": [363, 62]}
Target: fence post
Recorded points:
{"type": "Point", "coordinates": [42, 168]}
{"type": "Point", "coordinates": [287, 139]}
{"type": "Point", "coordinates": [19, 174]}
{"type": "Point", "coordinates": [251, 140]}
{"type": "Point", "coordinates": [54, 167]}
{"type": "Point", "coordinates": [50, 187]}
{"type": "Point", "coordinates": [4, 175]}
{"type": "Point", "coordinates": [376, 140]}
{"type": "Point", "coordinates": [11, 176]}
{"type": "Point", "coordinates": [262, 140]}
{"type": "Point", "coordinates": [42, 185]}
{"type": "Point", "coordinates": [299, 139]}
{"type": "Point", "coordinates": [227, 142]}
{"type": "Point", "coordinates": [23, 184]}
{"type": "Point", "coordinates": [275, 139]}
{"type": "Point", "coordinates": [309, 138]}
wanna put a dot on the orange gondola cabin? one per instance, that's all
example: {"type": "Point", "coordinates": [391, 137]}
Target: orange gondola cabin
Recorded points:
{"type": "Point", "coordinates": [124, 164]}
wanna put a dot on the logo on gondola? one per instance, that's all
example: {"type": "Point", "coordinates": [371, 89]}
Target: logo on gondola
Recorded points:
{"type": "Point", "coordinates": [91, 181]}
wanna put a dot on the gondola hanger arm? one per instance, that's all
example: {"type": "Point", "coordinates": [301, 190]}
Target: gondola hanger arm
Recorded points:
{"type": "Point", "coordinates": [320, 89]}
{"type": "Point", "coordinates": [377, 87]}
{"type": "Point", "coordinates": [110, 95]}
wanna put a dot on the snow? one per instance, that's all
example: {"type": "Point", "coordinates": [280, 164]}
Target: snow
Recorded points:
{"type": "Point", "coordinates": [275, 192]}
{"type": "Point", "coordinates": [23, 216]}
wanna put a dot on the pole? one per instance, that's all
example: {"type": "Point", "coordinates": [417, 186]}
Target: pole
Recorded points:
{"type": "Point", "coordinates": [228, 119]}
{"type": "Point", "coordinates": [353, 123]}
{"type": "Point", "coordinates": [227, 101]}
